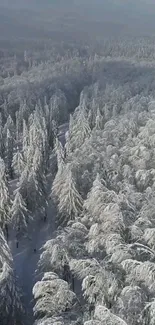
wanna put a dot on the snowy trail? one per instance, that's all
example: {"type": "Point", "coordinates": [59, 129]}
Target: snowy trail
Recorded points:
{"type": "Point", "coordinates": [25, 259]}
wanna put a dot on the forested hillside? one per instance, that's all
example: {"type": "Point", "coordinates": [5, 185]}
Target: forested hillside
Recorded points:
{"type": "Point", "coordinates": [77, 165]}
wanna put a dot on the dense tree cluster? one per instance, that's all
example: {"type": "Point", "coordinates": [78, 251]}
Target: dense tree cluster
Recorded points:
{"type": "Point", "coordinates": [11, 309]}
{"type": "Point", "coordinates": [98, 267]}
{"type": "Point", "coordinates": [104, 190]}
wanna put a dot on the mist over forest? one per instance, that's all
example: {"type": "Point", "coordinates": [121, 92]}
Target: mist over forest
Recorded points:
{"type": "Point", "coordinates": [77, 162]}
{"type": "Point", "coordinates": [38, 18]}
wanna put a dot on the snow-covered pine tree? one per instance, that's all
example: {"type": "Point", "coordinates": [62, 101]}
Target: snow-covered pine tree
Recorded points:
{"type": "Point", "coordinates": [130, 304]}
{"type": "Point", "coordinates": [9, 136]}
{"type": "Point", "coordinates": [101, 282]}
{"type": "Point", "coordinates": [31, 184]}
{"type": "Point", "coordinates": [148, 314]}
{"type": "Point", "coordinates": [5, 110]}
{"type": "Point", "coordinates": [51, 124]}
{"type": "Point", "coordinates": [22, 185]}
{"type": "Point", "coordinates": [58, 182]}
{"type": "Point", "coordinates": [79, 130]}
{"type": "Point", "coordinates": [38, 163]}
{"type": "Point", "coordinates": [53, 133]}
{"type": "Point", "coordinates": [9, 153]}
{"type": "Point", "coordinates": [5, 201]}
{"type": "Point", "coordinates": [17, 127]}
{"type": "Point", "coordinates": [59, 251]}
{"type": "Point", "coordinates": [93, 111]}
{"type": "Point", "coordinates": [59, 152]}
{"type": "Point", "coordinates": [18, 163]}
{"type": "Point", "coordinates": [19, 214]}
{"type": "Point", "coordinates": [70, 201]}
{"type": "Point", "coordinates": [95, 202]}
{"type": "Point", "coordinates": [37, 138]}
{"type": "Point", "coordinates": [11, 310]}
{"type": "Point", "coordinates": [32, 187]}
{"type": "Point", "coordinates": [99, 120]}
{"type": "Point", "coordinates": [24, 111]}
{"type": "Point", "coordinates": [54, 298]}
{"type": "Point", "coordinates": [103, 316]}
{"type": "Point", "coordinates": [36, 192]}
{"type": "Point", "coordinates": [45, 151]}
{"type": "Point", "coordinates": [9, 125]}
{"type": "Point", "coordinates": [25, 140]}
{"type": "Point", "coordinates": [58, 106]}
{"type": "Point", "coordinates": [37, 180]}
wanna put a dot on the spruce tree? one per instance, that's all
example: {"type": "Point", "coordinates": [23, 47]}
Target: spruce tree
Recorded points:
{"type": "Point", "coordinates": [53, 298]}
{"type": "Point", "coordinates": [79, 131]}
{"type": "Point", "coordinates": [11, 309]}
{"type": "Point", "coordinates": [70, 201]}
{"type": "Point", "coordinates": [19, 213]}
{"type": "Point", "coordinates": [5, 201]}
{"type": "Point", "coordinates": [18, 163]}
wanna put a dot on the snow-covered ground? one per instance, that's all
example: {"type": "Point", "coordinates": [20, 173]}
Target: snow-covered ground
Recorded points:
{"type": "Point", "coordinates": [25, 258]}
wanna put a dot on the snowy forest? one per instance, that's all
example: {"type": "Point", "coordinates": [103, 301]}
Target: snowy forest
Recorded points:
{"type": "Point", "coordinates": [77, 164]}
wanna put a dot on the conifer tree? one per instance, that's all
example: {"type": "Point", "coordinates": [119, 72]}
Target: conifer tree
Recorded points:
{"type": "Point", "coordinates": [70, 201]}
{"type": "Point", "coordinates": [59, 251]}
{"type": "Point", "coordinates": [58, 181]}
{"type": "Point", "coordinates": [95, 198]}
{"type": "Point", "coordinates": [79, 130]}
{"type": "Point", "coordinates": [103, 316]}
{"type": "Point", "coordinates": [19, 213]}
{"type": "Point", "coordinates": [60, 153]}
{"type": "Point", "coordinates": [54, 298]}
{"type": "Point", "coordinates": [9, 153]}
{"type": "Point", "coordinates": [9, 135]}
{"type": "Point", "coordinates": [22, 184]}
{"type": "Point", "coordinates": [99, 120]}
{"type": "Point", "coordinates": [9, 125]}
{"type": "Point", "coordinates": [11, 309]}
{"type": "Point", "coordinates": [24, 112]}
{"type": "Point", "coordinates": [5, 201]}
{"type": "Point", "coordinates": [18, 163]}
{"type": "Point", "coordinates": [25, 140]}
{"type": "Point", "coordinates": [36, 193]}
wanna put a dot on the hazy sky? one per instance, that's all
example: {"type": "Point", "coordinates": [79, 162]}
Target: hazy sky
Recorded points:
{"type": "Point", "coordinates": [135, 14]}
{"type": "Point", "coordinates": [105, 3]}
{"type": "Point", "coordinates": [114, 5]}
